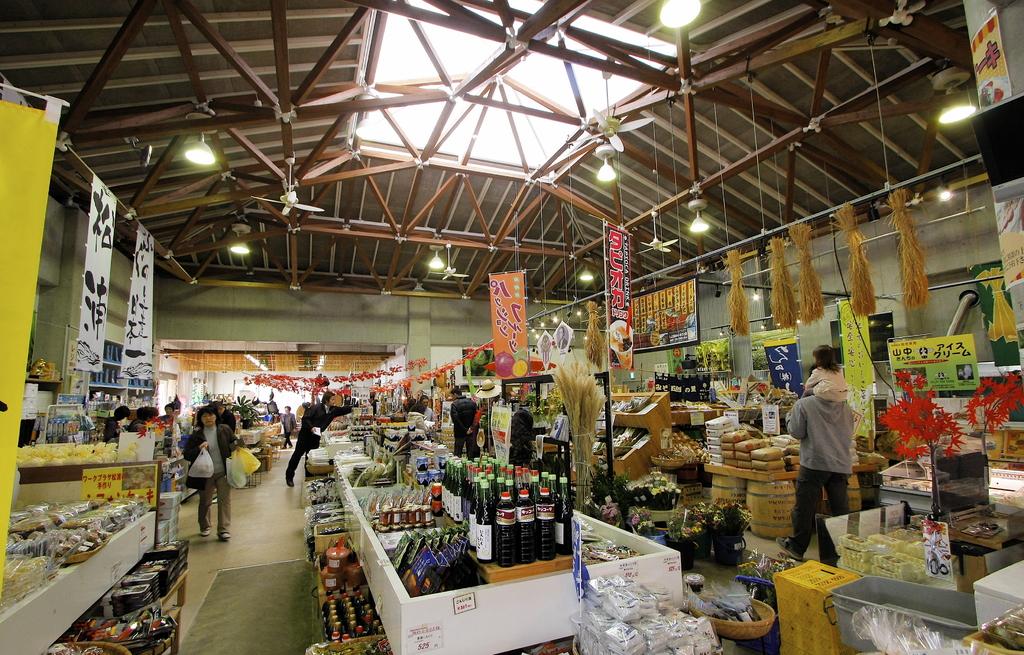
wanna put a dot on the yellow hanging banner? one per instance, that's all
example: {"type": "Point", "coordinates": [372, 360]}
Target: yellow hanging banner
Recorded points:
{"type": "Point", "coordinates": [858, 370]}
{"type": "Point", "coordinates": [26, 157]}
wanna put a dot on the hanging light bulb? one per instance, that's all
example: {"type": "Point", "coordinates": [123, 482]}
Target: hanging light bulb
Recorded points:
{"type": "Point", "coordinates": [956, 112]}
{"type": "Point", "coordinates": [200, 153]}
{"type": "Point", "coordinates": [436, 264]}
{"type": "Point", "coordinates": [945, 194]}
{"type": "Point", "coordinates": [698, 225]}
{"type": "Point", "coordinates": [586, 276]}
{"type": "Point", "coordinates": [756, 296]}
{"type": "Point", "coordinates": [579, 313]}
{"type": "Point", "coordinates": [606, 173]}
{"type": "Point", "coordinates": [676, 13]}
{"type": "Point", "coordinates": [554, 319]}
{"type": "Point", "coordinates": [239, 249]}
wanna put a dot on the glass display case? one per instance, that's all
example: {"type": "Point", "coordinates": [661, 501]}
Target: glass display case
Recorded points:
{"type": "Point", "coordinates": [962, 479]}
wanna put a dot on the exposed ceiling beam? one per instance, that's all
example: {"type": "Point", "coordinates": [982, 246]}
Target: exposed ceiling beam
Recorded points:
{"type": "Point", "coordinates": [329, 55]}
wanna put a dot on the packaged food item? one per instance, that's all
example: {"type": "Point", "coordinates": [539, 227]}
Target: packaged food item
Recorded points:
{"type": "Point", "coordinates": [766, 454]}
{"type": "Point", "coordinates": [772, 465]}
{"type": "Point", "coordinates": [1007, 630]}
{"type": "Point", "coordinates": [751, 445]}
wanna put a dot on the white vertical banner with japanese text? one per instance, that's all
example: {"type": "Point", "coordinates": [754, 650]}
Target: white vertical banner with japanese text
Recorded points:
{"type": "Point", "coordinates": [138, 329]}
{"type": "Point", "coordinates": [620, 298]}
{"type": "Point", "coordinates": [99, 247]}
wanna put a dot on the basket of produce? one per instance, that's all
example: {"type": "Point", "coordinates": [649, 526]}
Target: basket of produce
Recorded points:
{"type": "Point", "coordinates": [744, 630]}
{"type": "Point", "coordinates": [670, 463]}
{"type": "Point", "coordinates": [88, 648]}
{"type": "Point", "coordinates": [372, 645]}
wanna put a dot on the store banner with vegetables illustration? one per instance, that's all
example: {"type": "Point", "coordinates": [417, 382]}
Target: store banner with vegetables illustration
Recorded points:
{"type": "Point", "coordinates": [1000, 322]}
{"type": "Point", "coordinates": [508, 324]}
{"type": "Point", "coordinates": [618, 274]}
{"type": "Point", "coordinates": [858, 369]}
{"type": "Point", "coordinates": [138, 331]}
{"type": "Point", "coordinates": [947, 363]}
{"type": "Point", "coordinates": [27, 136]}
{"type": "Point", "coordinates": [99, 246]}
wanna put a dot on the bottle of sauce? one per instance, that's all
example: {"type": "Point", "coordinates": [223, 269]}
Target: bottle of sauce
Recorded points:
{"type": "Point", "coordinates": [485, 525]}
{"type": "Point", "coordinates": [563, 519]}
{"type": "Point", "coordinates": [525, 514]}
{"type": "Point", "coordinates": [545, 525]}
{"type": "Point", "coordinates": [505, 530]}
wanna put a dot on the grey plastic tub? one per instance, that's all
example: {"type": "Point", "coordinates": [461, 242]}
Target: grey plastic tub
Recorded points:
{"type": "Point", "coordinates": [948, 612]}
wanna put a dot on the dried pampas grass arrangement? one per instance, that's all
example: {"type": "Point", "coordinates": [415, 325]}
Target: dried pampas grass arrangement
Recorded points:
{"type": "Point", "coordinates": [596, 348]}
{"type": "Point", "coordinates": [812, 304]}
{"type": "Point", "coordinates": [583, 403]}
{"type": "Point", "coordinates": [737, 299]}
{"type": "Point", "coordinates": [915, 280]}
{"type": "Point", "coordinates": [784, 309]}
{"type": "Point", "coordinates": [862, 289]}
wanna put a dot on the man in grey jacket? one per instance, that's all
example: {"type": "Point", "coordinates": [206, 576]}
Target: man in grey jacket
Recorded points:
{"type": "Point", "coordinates": [825, 429]}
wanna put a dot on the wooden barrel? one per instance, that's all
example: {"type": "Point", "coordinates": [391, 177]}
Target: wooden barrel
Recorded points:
{"type": "Point", "coordinates": [726, 487]}
{"type": "Point", "coordinates": [771, 507]}
{"type": "Point", "coordinates": [853, 494]}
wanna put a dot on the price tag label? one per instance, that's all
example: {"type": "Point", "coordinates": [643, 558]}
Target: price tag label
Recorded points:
{"type": "Point", "coordinates": [696, 418]}
{"type": "Point", "coordinates": [732, 414]}
{"type": "Point", "coordinates": [424, 638]}
{"type": "Point", "coordinates": [770, 419]}
{"type": "Point", "coordinates": [629, 569]}
{"type": "Point", "coordinates": [464, 603]}
{"type": "Point", "coordinates": [672, 563]}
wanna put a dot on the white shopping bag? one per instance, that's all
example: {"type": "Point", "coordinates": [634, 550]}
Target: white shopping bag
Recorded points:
{"type": "Point", "coordinates": [202, 467]}
{"type": "Point", "coordinates": [237, 476]}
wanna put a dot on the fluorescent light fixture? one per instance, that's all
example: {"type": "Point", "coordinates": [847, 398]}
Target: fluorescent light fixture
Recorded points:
{"type": "Point", "coordinates": [957, 112]}
{"type": "Point", "coordinates": [239, 249]}
{"type": "Point", "coordinates": [606, 173]}
{"type": "Point", "coordinates": [676, 13]}
{"type": "Point", "coordinates": [586, 276]}
{"type": "Point", "coordinates": [945, 195]}
{"type": "Point", "coordinates": [200, 153]}
{"type": "Point", "coordinates": [699, 225]}
{"type": "Point", "coordinates": [436, 264]}
{"type": "Point", "coordinates": [255, 362]}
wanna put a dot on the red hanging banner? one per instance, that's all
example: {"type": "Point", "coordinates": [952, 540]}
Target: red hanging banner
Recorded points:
{"type": "Point", "coordinates": [619, 298]}
{"type": "Point", "coordinates": [508, 324]}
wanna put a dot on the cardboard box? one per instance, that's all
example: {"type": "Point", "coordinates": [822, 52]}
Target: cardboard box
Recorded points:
{"type": "Point", "coordinates": [169, 499]}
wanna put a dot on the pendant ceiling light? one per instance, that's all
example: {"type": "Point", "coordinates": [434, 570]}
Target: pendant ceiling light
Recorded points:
{"type": "Point", "coordinates": [586, 276]}
{"type": "Point", "coordinates": [956, 112]}
{"type": "Point", "coordinates": [945, 195]}
{"type": "Point", "coordinates": [200, 153]}
{"type": "Point", "coordinates": [698, 225]}
{"type": "Point", "coordinates": [677, 13]}
{"type": "Point", "coordinates": [606, 173]}
{"type": "Point", "coordinates": [436, 263]}
{"type": "Point", "coordinates": [240, 249]}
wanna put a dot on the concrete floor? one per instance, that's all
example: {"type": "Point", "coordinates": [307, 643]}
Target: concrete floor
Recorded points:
{"type": "Point", "coordinates": [266, 527]}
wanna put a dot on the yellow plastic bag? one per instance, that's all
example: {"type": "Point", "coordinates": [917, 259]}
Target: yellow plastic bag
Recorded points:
{"type": "Point", "coordinates": [248, 460]}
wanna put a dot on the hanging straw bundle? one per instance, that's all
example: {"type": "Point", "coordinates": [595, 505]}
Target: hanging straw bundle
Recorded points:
{"type": "Point", "coordinates": [784, 309]}
{"type": "Point", "coordinates": [862, 289]}
{"type": "Point", "coordinates": [596, 348]}
{"type": "Point", "coordinates": [737, 299]}
{"type": "Point", "coordinates": [583, 403]}
{"type": "Point", "coordinates": [915, 280]}
{"type": "Point", "coordinates": [812, 304]}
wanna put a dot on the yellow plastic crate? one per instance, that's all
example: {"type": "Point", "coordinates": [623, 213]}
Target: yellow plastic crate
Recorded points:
{"type": "Point", "coordinates": [807, 620]}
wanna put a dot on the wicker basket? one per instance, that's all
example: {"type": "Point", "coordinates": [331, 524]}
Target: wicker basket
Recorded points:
{"type": "Point", "coordinates": [78, 558]}
{"type": "Point", "coordinates": [107, 647]}
{"type": "Point", "coordinates": [671, 464]}
{"type": "Point", "coordinates": [744, 630]}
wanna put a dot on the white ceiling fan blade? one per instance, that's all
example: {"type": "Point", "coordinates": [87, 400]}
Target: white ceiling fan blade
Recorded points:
{"type": "Point", "coordinates": [885, 21]}
{"type": "Point", "coordinates": [460, 274]}
{"type": "Point", "coordinates": [635, 125]}
{"type": "Point", "coordinates": [670, 242]}
{"type": "Point", "coordinates": [645, 250]}
{"type": "Point", "coordinates": [601, 118]}
{"type": "Point", "coordinates": [907, 20]}
{"type": "Point", "coordinates": [280, 202]}
{"type": "Point", "coordinates": [307, 208]}
{"type": "Point", "coordinates": [287, 209]}
{"type": "Point", "coordinates": [616, 142]}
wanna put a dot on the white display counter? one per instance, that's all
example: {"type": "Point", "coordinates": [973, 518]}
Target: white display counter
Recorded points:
{"type": "Point", "coordinates": [494, 618]}
{"type": "Point", "coordinates": [37, 620]}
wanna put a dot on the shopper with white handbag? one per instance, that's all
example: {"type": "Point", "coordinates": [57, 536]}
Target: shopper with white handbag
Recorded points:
{"type": "Point", "coordinates": [208, 450]}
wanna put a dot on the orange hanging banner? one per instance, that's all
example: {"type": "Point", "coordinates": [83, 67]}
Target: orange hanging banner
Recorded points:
{"type": "Point", "coordinates": [508, 324]}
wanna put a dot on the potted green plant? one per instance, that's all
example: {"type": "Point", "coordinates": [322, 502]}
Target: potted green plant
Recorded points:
{"type": "Point", "coordinates": [247, 411]}
{"type": "Point", "coordinates": [728, 521]}
{"type": "Point", "coordinates": [640, 521]}
{"type": "Point", "coordinates": [685, 533]}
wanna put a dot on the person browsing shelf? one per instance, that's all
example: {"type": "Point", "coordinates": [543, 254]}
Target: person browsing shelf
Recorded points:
{"type": "Point", "coordinates": [315, 420]}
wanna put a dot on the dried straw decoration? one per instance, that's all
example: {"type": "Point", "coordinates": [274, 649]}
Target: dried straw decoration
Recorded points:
{"type": "Point", "coordinates": [583, 403]}
{"type": "Point", "coordinates": [596, 348]}
{"type": "Point", "coordinates": [738, 320]}
{"type": "Point", "coordinates": [812, 304]}
{"type": "Point", "coordinates": [784, 309]}
{"type": "Point", "coordinates": [915, 280]}
{"type": "Point", "coordinates": [862, 289]}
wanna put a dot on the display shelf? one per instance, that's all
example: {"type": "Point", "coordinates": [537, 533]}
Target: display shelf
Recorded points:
{"type": "Point", "coordinates": [493, 573]}
{"type": "Point", "coordinates": [43, 383]}
{"type": "Point", "coordinates": [540, 607]}
{"type": "Point", "coordinates": [654, 417]}
{"type": "Point", "coordinates": [29, 626]}
{"type": "Point", "coordinates": [748, 474]}
{"type": "Point", "coordinates": [104, 385]}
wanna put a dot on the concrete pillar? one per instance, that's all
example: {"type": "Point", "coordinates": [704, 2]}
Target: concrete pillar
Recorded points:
{"type": "Point", "coordinates": [419, 333]}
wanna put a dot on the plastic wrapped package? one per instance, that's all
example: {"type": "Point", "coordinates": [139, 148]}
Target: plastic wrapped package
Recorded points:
{"type": "Point", "coordinates": [22, 575]}
{"type": "Point", "coordinates": [896, 633]}
{"type": "Point", "coordinates": [898, 567]}
{"type": "Point", "coordinates": [1007, 630]}
{"type": "Point", "coordinates": [656, 631]}
{"type": "Point", "coordinates": [623, 639]}
{"type": "Point", "coordinates": [622, 604]}
{"type": "Point", "coordinates": [661, 595]}
{"type": "Point", "coordinates": [854, 542]}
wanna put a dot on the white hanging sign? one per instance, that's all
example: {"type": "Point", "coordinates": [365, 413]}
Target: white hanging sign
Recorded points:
{"type": "Point", "coordinates": [99, 246]}
{"type": "Point", "coordinates": [563, 338]}
{"type": "Point", "coordinates": [138, 329]}
{"type": "Point", "coordinates": [544, 346]}
{"type": "Point", "coordinates": [770, 419]}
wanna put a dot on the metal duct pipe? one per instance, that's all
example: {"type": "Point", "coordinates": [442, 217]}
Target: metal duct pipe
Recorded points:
{"type": "Point", "coordinates": [968, 299]}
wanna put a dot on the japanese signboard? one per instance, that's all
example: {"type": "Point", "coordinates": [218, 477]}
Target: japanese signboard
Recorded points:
{"type": "Point", "coordinates": [989, 60]}
{"type": "Point", "coordinates": [666, 318]}
{"type": "Point", "coordinates": [501, 425]}
{"type": "Point", "coordinates": [938, 560]}
{"type": "Point", "coordinates": [858, 369]}
{"type": "Point", "coordinates": [112, 482]}
{"type": "Point", "coordinates": [99, 246]}
{"type": "Point", "coordinates": [947, 363]}
{"type": "Point", "coordinates": [1000, 322]}
{"type": "Point", "coordinates": [783, 357]}
{"type": "Point", "coordinates": [508, 324]}
{"type": "Point", "coordinates": [138, 329]}
{"type": "Point", "coordinates": [618, 278]}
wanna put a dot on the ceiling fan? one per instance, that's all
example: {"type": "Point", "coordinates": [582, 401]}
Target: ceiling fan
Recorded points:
{"type": "Point", "coordinates": [904, 15]}
{"type": "Point", "coordinates": [656, 243]}
{"type": "Point", "coordinates": [449, 270]}
{"type": "Point", "coordinates": [290, 199]}
{"type": "Point", "coordinates": [608, 129]}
